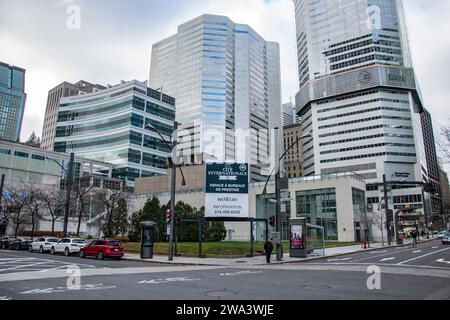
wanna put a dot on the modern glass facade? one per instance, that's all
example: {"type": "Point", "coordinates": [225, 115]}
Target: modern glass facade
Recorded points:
{"type": "Point", "coordinates": [226, 79]}
{"type": "Point", "coordinates": [111, 126]}
{"type": "Point", "coordinates": [359, 97]}
{"type": "Point", "coordinates": [65, 89]}
{"type": "Point", "coordinates": [12, 101]}
{"type": "Point", "coordinates": [266, 208]}
{"type": "Point", "coordinates": [319, 208]}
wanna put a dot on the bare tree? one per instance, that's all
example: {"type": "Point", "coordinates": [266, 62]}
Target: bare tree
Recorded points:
{"type": "Point", "coordinates": [111, 199]}
{"type": "Point", "coordinates": [34, 203]}
{"type": "Point", "coordinates": [83, 191]}
{"type": "Point", "coordinates": [377, 219]}
{"type": "Point", "coordinates": [54, 203]}
{"type": "Point", "coordinates": [443, 144]}
{"type": "Point", "coordinates": [16, 205]}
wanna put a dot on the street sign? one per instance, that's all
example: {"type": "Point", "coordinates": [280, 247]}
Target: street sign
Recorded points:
{"type": "Point", "coordinates": [227, 191]}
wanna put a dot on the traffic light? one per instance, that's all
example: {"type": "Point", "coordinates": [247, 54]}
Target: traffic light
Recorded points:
{"type": "Point", "coordinates": [168, 215]}
{"type": "Point", "coordinates": [272, 221]}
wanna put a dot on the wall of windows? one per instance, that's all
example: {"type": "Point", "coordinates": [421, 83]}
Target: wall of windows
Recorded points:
{"type": "Point", "coordinates": [319, 208]}
{"type": "Point", "coordinates": [265, 209]}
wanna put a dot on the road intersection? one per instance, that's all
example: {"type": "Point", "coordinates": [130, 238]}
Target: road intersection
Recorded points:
{"type": "Point", "coordinates": [406, 273]}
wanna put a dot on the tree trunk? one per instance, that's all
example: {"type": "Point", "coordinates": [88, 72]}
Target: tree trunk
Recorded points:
{"type": "Point", "coordinates": [16, 229]}
{"type": "Point", "coordinates": [53, 225]}
{"type": "Point", "coordinates": [79, 223]}
{"type": "Point", "coordinates": [32, 226]}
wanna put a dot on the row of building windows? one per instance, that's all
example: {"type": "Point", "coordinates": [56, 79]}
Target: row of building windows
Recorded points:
{"type": "Point", "coordinates": [365, 129]}
{"type": "Point", "coordinates": [365, 59]}
{"type": "Point", "coordinates": [386, 135]}
{"type": "Point", "coordinates": [373, 155]}
{"type": "Point", "coordinates": [377, 145]}
{"type": "Point", "coordinates": [354, 168]}
{"type": "Point", "coordinates": [363, 111]}
{"type": "Point", "coordinates": [364, 120]}
{"type": "Point", "coordinates": [360, 94]}
{"type": "Point", "coordinates": [364, 51]}
{"type": "Point", "coordinates": [416, 198]}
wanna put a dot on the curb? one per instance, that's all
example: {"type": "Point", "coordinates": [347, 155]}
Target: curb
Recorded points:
{"type": "Point", "coordinates": [367, 250]}
{"type": "Point", "coordinates": [274, 262]}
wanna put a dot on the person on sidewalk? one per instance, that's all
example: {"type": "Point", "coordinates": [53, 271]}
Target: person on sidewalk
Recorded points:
{"type": "Point", "coordinates": [414, 235]}
{"type": "Point", "coordinates": [268, 248]}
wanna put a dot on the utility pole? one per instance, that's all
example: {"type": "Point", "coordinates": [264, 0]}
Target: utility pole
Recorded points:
{"type": "Point", "coordinates": [2, 184]}
{"type": "Point", "coordinates": [69, 181]}
{"type": "Point", "coordinates": [173, 189]}
{"type": "Point", "coordinates": [425, 211]}
{"type": "Point", "coordinates": [386, 204]}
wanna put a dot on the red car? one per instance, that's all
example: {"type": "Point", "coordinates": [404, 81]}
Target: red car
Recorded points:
{"type": "Point", "coordinates": [108, 248]}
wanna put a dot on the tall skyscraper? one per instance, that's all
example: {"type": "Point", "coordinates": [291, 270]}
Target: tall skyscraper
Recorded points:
{"type": "Point", "coordinates": [12, 101]}
{"type": "Point", "coordinates": [290, 116]}
{"type": "Point", "coordinates": [111, 126]}
{"type": "Point", "coordinates": [65, 89]}
{"type": "Point", "coordinates": [226, 80]}
{"type": "Point", "coordinates": [359, 97]}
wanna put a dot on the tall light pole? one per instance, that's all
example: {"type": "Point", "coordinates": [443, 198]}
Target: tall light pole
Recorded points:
{"type": "Point", "coordinates": [69, 182]}
{"type": "Point", "coordinates": [277, 167]}
{"type": "Point", "coordinates": [173, 161]}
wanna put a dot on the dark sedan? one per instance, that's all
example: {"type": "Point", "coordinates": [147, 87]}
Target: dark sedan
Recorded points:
{"type": "Point", "coordinates": [5, 242]}
{"type": "Point", "coordinates": [20, 244]}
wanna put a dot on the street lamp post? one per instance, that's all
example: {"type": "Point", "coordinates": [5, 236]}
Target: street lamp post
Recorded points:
{"type": "Point", "coordinates": [173, 161]}
{"type": "Point", "coordinates": [277, 167]}
{"type": "Point", "coordinates": [69, 182]}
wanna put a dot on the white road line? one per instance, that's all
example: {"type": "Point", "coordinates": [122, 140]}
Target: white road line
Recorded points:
{"type": "Point", "coordinates": [423, 256]}
{"type": "Point", "coordinates": [443, 261]}
{"type": "Point", "coordinates": [417, 251]}
{"type": "Point", "coordinates": [14, 261]}
{"type": "Point", "coordinates": [377, 252]}
{"type": "Point", "coordinates": [387, 259]}
{"type": "Point", "coordinates": [24, 266]}
{"type": "Point", "coordinates": [345, 259]}
{"type": "Point", "coordinates": [435, 247]}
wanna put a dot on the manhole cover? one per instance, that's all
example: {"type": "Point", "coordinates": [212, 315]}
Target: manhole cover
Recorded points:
{"type": "Point", "coordinates": [219, 294]}
{"type": "Point", "coordinates": [316, 287]}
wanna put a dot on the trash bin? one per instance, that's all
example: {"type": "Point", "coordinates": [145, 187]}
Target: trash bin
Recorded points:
{"type": "Point", "coordinates": [147, 239]}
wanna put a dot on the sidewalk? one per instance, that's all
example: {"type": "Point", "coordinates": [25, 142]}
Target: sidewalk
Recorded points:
{"type": "Point", "coordinates": [260, 260]}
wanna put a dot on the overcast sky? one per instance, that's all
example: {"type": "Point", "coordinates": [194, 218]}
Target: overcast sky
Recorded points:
{"type": "Point", "coordinates": [115, 39]}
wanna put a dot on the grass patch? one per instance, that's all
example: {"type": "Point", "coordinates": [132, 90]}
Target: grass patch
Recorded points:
{"type": "Point", "coordinates": [225, 248]}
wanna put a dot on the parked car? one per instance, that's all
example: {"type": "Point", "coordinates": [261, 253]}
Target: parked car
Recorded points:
{"type": "Point", "coordinates": [21, 244]}
{"type": "Point", "coordinates": [108, 248]}
{"type": "Point", "coordinates": [446, 239]}
{"type": "Point", "coordinates": [43, 244]}
{"type": "Point", "coordinates": [67, 246]}
{"type": "Point", "coordinates": [442, 234]}
{"type": "Point", "coordinates": [5, 242]}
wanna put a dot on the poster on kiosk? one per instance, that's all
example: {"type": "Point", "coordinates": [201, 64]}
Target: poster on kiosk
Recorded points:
{"type": "Point", "coordinates": [226, 194]}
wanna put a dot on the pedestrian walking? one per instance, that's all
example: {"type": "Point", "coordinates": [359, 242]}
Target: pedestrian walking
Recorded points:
{"type": "Point", "coordinates": [268, 248]}
{"type": "Point", "coordinates": [414, 235]}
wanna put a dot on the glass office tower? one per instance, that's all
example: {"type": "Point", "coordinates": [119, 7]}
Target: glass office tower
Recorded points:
{"type": "Point", "coordinates": [111, 126]}
{"type": "Point", "coordinates": [12, 101]}
{"type": "Point", "coordinates": [359, 97]}
{"type": "Point", "coordinates": [226, 80]}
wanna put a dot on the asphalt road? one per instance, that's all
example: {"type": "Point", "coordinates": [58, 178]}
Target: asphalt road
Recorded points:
{"type": "Point", "coordinates": [425, 255]}
{"type": "Point", "coordinates": [410, 275]}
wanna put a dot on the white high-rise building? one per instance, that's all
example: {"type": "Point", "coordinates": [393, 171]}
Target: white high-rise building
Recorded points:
{"type": "Point", "coordinates": [226, 80]}
{"type": "Point", "coordinates": [359, 97]}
